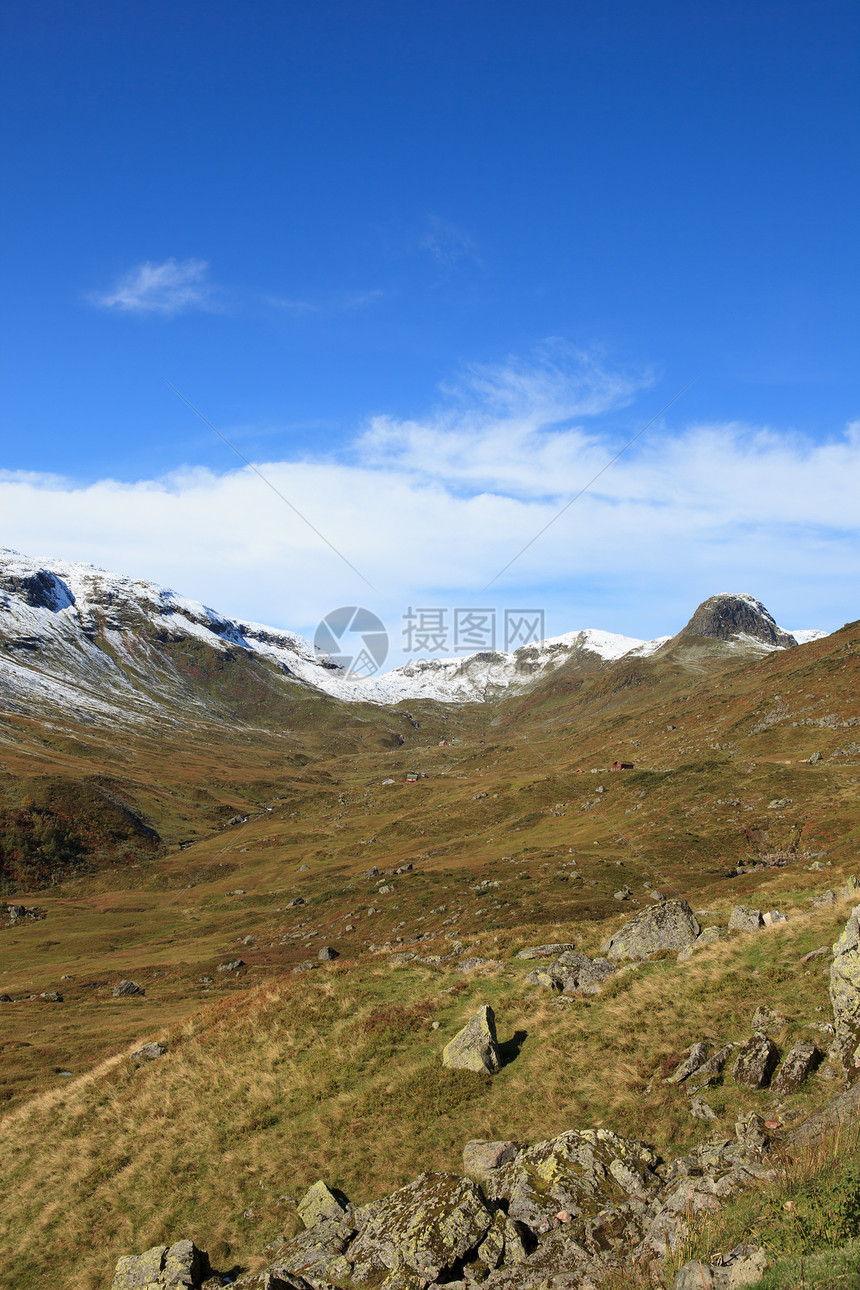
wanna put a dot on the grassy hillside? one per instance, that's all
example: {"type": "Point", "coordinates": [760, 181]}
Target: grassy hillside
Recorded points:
{"type": "Point", "coordinates": [518, 834]}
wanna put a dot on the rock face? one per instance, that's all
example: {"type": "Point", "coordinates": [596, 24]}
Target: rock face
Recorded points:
{"type": "Point", "coordinates": [670, 925]}
{"type": "Point", "coordinates": [475, 1047]}
{"type": "Point", "coordinates": [756, 1062]}
{"type": "Point", "coordinates": [726, 617]}
{"type": "Point", "coordinates": [173, 1266]}
{"type": "Point", "coordinates": [845, 994]}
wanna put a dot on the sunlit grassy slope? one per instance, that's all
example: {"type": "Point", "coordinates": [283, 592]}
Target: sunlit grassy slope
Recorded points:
{"type": "Point", "coordinates": [275, 1078]}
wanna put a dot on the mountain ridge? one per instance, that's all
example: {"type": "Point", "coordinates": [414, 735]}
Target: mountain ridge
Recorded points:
{"type": "Point", "coordinates": [92, 626]}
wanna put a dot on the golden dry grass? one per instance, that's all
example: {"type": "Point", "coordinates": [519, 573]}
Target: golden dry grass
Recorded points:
{"type": "Point", "coordinates": [338, 1075]}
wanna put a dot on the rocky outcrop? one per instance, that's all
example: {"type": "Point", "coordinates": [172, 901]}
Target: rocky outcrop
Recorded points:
{"type": "Point", "coordinates": [427, 1229]}
{"type": "Point", "coordinates": [560, 1212]}
{"type": "Point", "coordinates": [671, 925]}
{"type": "Point", "coordinates": [475, 1047]}
{"type": "Point", "coordinates": [845, 994]}
{"type": "Point", "coordinates": [576, 1173]}
{"type": "Point", "coordinates": [482, 1159]}
{"type": "Point", "coordinates": [726, 617]}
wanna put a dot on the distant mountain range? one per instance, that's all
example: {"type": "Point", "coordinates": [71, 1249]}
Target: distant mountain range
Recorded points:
{"type": "Point", "coordinates": [97, 645]}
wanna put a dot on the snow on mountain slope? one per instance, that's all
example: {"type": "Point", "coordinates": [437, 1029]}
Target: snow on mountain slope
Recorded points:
{"type": "Point", "coordinates": [807, 634]}
{"type": "Point", "coordinates": [94, 644]}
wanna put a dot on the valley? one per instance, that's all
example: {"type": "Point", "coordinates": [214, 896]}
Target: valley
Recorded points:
{"type": "Point", "coordinates": [315, 895]}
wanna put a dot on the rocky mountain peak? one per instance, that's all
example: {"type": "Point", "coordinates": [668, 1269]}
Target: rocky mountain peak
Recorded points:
{"type": "Point", "coordinates": [729, 616]}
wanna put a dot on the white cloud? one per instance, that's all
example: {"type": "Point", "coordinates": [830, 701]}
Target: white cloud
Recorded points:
{"type": "Point", "coordinates": [430, 510]}
{"type": "Point", "coordinates": [171, 287]}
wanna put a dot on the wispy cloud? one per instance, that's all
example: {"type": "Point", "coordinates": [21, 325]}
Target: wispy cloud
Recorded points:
{"type": "Point", "coordinates": [447, 243]}
{"type": "Point", "coordinates": [171, 287]}
{"type": "Point", "coordinates": [341, 302]}
{"type": "Point", "coordinates": [514, 427]}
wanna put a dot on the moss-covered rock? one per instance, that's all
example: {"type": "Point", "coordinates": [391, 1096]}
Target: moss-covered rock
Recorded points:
{"type": "Point", "coordinates": [320, 1204]}
{"type": "Point", "coordinates": [671, 925]}
{"type": "Point", "coordinates": [425, 1230]}
{"type": "Point", "coordinates": [579, 1173]}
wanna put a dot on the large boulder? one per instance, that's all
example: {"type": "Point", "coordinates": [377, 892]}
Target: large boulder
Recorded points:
{"type": "Point", "coordinates": [163, 1267]}
{"type": "Point", "coordinates": [425, 1229]}
{"type": "Point", "coordinates": [671, 925]}
{"type": "Point", "coordinates": [475, 1047]}
{"type": "Point", "coordinates": [579, 1173]}
{"type": "Point", "coordinates": [845, 994]}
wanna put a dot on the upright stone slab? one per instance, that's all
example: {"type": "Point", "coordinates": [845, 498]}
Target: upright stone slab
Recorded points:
{"type": "Point", "coordinates": [475, 1047]}
{"type": "Point", "coordinates": [756, 1062]}
{"type": "Point", "coordinates": [803, 1058]}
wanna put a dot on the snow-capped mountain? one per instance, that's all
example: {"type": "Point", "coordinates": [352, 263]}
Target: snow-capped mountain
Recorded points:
{"type": "Point", "coordinates": [92, 643]}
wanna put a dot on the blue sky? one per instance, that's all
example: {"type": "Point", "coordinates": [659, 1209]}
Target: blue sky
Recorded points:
{"type": "Point", "coordinates": [429, 267]}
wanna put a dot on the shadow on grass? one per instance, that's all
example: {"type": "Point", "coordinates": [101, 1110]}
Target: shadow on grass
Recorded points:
{"type": "Point", "coordinates": [509, 1051]}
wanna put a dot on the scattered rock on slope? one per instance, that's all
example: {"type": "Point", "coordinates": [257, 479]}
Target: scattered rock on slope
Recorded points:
{"type": "Point", "coordinates": [127, 987]}
{"type": "Point", "coordinates": [744, 919]}
{"type": "Point", "coordinates": [475, 1047]}
{"type": "Point", "coordinates": [671, 925]}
